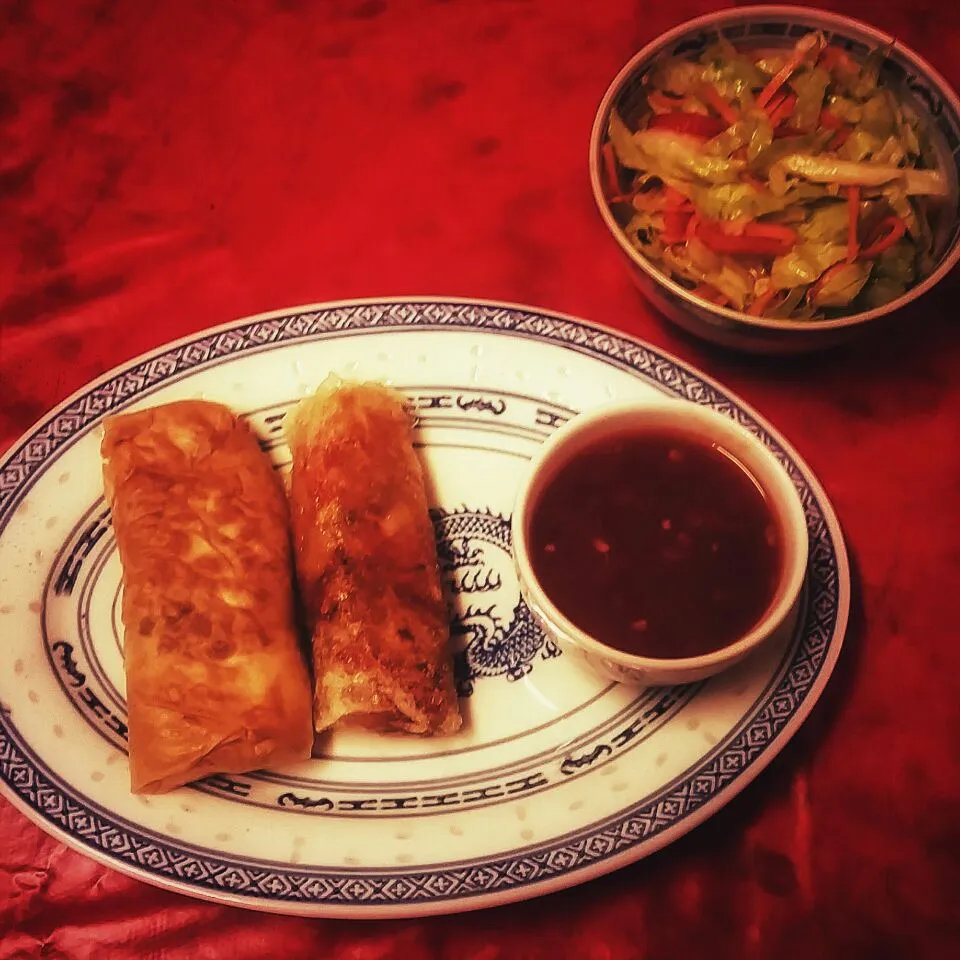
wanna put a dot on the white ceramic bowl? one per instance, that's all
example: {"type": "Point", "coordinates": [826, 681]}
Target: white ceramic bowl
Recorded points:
{"type": "Point", "coordinates": [912, 79]}
{"type": "Point", "coordinates": [698, 423]}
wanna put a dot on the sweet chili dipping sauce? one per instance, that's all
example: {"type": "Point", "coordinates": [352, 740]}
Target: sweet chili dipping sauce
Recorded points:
{"type": "Point", "coordinates": [658, 544]}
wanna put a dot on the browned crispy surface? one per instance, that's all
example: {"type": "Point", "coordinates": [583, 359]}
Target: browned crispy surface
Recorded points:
{"type": "Point", "coordinates": [215, 678]}
{"type": "Point", "coordinates": [367, 563]}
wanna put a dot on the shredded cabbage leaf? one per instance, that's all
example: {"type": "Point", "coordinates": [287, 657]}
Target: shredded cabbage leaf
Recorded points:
{"type": "Point", "coordinates": [805, 263]}
{"type": "Point", "coordinates": [810, 87]}
{"type": "Point", "coordinates": [827, 224]}
{"type": "Point", "coordinates": [680, 158]}
{"type": "Point", "coordinates": [826, 169]}
{"type": "Point", "coordinates": [839, 287]}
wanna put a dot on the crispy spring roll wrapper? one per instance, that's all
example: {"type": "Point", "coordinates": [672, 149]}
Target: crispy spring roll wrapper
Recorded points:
{"type": "Point", "coordinates": [367, 564]}
{"type": "Point", "coordinates": [216, 679]}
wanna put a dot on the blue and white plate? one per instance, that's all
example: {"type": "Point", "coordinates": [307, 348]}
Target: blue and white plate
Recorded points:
{"type": "Point", "coordinates": [556, 778]}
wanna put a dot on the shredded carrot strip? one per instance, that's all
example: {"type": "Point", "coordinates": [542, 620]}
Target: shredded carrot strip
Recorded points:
{"type": "Point", "coordinates": [757, 308]}
{"type": "Point", "coordinates": [783, 109]}
{"type": "Point", "coordinates": [724, 110]}
{"type": "Point", "coordinates": [895, 228]}
{"type": "Point", "coordinates": [830, 120]}
{"type": "Point", "coordinates": [772, 231]}
{"type": "Point", "coordinates": [839, 138]}
{"type": "Point", "coordinates": [853, 207]}
{"type": "Point", "coordinates": [808, 46]}
{"type": "Point", "coordinates": [776, 82]}
{"type": "Point", "coordinates": [712, 294]}
{"type": "Point", "coordinates": [805, 46]}
{"type": "Point", "coordinates": [824, 279]}
{"type": "Point", "coordinates": [733, 228]}
{"type": "Point", "coordinates": [775, 101]}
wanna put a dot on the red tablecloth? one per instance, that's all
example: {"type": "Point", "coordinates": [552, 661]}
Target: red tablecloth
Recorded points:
{"type": "Point", "coordinates": [168, 166]}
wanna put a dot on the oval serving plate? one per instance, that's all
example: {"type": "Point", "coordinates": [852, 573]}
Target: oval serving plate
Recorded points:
{"type": "Point", "coordinates": [557, 777]}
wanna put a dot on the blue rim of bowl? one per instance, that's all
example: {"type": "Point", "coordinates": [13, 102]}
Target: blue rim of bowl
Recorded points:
{"type": "Point", "coordinates": [942, 107]}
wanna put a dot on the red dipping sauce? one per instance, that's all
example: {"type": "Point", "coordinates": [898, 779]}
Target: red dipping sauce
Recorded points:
{"type": "Point", "coordinates": [658, 544]}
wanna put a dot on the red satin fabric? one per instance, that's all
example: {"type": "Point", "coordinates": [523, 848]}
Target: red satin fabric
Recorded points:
{"type": "Point", "coordinates": [169, 166]}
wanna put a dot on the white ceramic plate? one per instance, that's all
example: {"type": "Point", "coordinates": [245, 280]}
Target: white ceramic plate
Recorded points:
{"type": "Point", "coordinates": [557, 776]}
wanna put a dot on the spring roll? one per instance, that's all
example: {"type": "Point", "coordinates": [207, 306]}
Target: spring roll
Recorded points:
{"type": "Point", "coordinates": [216, 679]}
{"type": "Point", "coordinates": [366, 562]}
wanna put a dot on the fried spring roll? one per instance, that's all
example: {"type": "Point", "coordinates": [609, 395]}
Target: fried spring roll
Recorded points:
{"type": "Point", "coordinates": [216, 680]}
{"type": "Point", "coordinates": [366, 561]}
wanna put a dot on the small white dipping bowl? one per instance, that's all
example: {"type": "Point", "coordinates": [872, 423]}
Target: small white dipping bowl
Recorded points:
{"type": "Point", "coordinates": [697, 423]}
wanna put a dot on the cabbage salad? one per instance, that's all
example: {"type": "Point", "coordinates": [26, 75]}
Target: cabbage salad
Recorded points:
{"type": "Point", "coordinates": [785, 184]}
